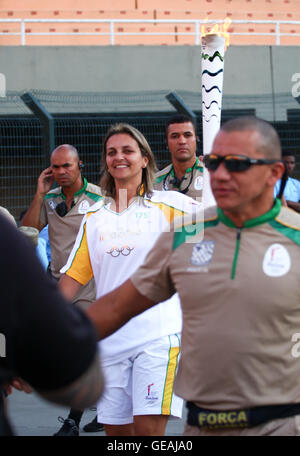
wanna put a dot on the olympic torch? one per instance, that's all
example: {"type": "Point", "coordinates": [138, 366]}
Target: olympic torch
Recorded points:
{"type": "Point", "coordinates": [213, 50]}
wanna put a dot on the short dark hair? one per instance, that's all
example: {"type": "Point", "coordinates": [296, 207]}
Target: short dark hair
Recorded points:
{"type": "Point", "coordinates": [288, 153]}
{"type": "Point", "coordinates": [69, 147]}
{"type": "Point", "coordinates": [269, 143]}
{"type": "Point", "coordinates": [177, 119]}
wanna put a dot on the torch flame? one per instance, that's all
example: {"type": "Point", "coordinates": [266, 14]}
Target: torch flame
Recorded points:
{"type": "Point", "coordinates": [218, 29]}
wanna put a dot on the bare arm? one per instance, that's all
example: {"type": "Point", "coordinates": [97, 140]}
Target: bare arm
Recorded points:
{"type": "Point", "coordinates": [294, 205]}
{"type": "Point", "coordinates": [32, 216]}
{"type": "Point", "coordinates": [83, 392]}
{"type": "Point", "coordinates": [113, 310]}
{"type": "Point", "coordinates": [283, 201]}
{"type": "Point", "coordinates": [68, 286]}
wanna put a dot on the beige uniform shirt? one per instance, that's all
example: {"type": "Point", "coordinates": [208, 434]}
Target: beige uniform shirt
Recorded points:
{"type": "Point", "coordinates": [63, 231]}
{"type": "Point", "coordinates": [240, 296]}
{"type": "Point", "coordinates": [191, 185]}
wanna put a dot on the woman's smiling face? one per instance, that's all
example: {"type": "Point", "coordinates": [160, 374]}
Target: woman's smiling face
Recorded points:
{"type": "Point", "coordinates": [124, 158]}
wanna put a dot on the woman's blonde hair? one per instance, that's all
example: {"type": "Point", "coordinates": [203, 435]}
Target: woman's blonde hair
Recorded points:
{"type": "Point", "coordinates": [107, 182]}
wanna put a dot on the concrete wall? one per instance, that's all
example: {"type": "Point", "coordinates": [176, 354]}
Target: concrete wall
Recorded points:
{"type": "Point", "coordinates": [248, 69]}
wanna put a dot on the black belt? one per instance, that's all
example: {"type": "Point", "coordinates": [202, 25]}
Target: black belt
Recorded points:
{"type": "Point", "coordinates": [242, 418]}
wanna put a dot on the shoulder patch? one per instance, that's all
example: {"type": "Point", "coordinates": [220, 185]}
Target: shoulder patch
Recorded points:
{"type": "Point", "coordinates": [95, 207]}
{"type": "Point", "coordinates": [93, 188]}
{"type": "Point", "coordinates": [160, 175]}
{"type": "Point", "coordinates": [53, 193]}
{"type": "Point", "coordinates": [93, 192]}
{"type": "Point", "coordinates": [210, 213]}
{"type": "Point", "coordinates": [163, 171]}
{"type": "Point", "coordinates": [288, 224]}
{"type": "Point", "coordinates": [174, 200]}
{"type": "Point", "coordinates": [289, 218]}
{"type": "Point", "coordinates": [192, 230]}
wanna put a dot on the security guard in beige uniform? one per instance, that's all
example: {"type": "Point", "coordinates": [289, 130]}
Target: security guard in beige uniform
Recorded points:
{"type": "Point", "coordinates": [237, 275]}
{"type": "Point", "coordinates": [63, 209]}
{"type": "Point", "coordinates": [185, 173]}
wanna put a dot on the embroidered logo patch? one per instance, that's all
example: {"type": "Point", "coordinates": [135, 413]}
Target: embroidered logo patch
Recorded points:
{"type": "Point", "coordinates": [277, 261]}
{"type": "Point", "coordinates": [52, 204]}
{"type": "Point", "coordinates": [83, 207]}
{"type": "Point", "coordinates": [198, 185]}
{"type": "Point", "coordinates": [202, 253]}
{"type": "Point", "coordinates": [151, 394]}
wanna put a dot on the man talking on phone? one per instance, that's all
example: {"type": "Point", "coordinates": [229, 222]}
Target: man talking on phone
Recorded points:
{"type": "Point", "coordinates": [63, 209]}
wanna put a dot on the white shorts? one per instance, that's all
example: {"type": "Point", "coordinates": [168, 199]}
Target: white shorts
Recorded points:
{"type": "Point", "coordinates": [142, 384]}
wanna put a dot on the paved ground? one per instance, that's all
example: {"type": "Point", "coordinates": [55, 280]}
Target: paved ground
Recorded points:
{"type": "Point", "coordinates": [32, 416]}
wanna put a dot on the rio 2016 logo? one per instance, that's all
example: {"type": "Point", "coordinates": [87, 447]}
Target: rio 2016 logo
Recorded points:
{"type": "Point", "coordinates": [2, 346]}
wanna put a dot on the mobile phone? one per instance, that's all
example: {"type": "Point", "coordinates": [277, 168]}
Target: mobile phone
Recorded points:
{"type": "Point", "coordinates": [47, 179]}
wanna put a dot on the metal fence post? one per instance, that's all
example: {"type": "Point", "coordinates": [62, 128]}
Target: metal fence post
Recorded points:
{"type": "Point", "coordinates": [180, 106]}
{"type": "Point", "coordinates": [47, 121]}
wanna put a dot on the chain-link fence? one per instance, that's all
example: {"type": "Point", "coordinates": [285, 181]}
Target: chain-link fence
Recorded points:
{"type": "Point", "coordinates": [20, 153]}
{"type": "Point", "coordinates": [82, 119]}
{"type": "Point", "coordinates": [87, 132]}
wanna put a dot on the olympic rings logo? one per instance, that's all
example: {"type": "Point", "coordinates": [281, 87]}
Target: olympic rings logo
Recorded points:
{"type": "Point", "coordinates": [116, 251]}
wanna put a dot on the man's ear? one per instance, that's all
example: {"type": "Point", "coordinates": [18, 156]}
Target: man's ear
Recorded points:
{"type": "Point", "coordinates": [277, 171]}
{"type": "Point", "coordinates": [283, 182]}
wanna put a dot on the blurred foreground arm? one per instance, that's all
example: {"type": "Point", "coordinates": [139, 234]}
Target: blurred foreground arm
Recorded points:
{"type": "Point", "coordinates": [83, 392]}
{"type": "Point", "coordinates": [50, 344]}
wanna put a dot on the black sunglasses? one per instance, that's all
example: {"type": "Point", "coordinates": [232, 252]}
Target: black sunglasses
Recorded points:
{"type": "Point", "coordinates": [234, 163]}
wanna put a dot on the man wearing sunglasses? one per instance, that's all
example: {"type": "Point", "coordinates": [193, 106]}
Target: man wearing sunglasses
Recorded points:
{"type": "Point", "coordinates": [236, 271]}
{"type": "Point", "coordinates": [185, 173]}
{"type": "Point", "coordinates": [63, 209]}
